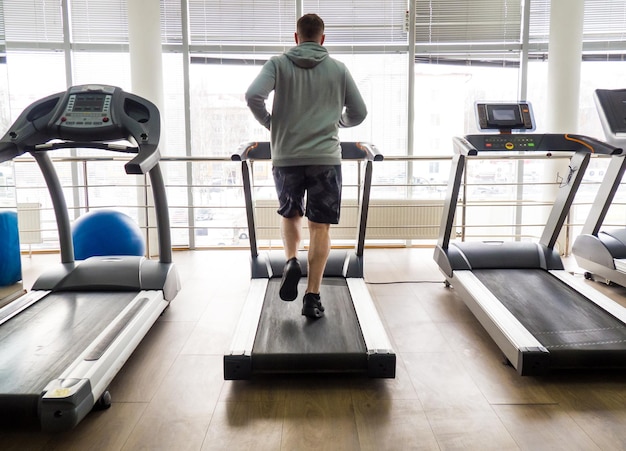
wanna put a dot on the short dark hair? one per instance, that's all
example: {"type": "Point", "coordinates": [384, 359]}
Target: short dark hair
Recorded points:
{"type": "Point", "coordinates": [310, 27]}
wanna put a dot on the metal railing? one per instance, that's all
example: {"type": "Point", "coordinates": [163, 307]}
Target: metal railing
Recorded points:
{"type": "Point", "coordinates": [209, 211]}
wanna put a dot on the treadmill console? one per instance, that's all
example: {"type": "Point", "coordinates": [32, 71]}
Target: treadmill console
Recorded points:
{"type": "Point", "coordinates": [505, 117]}
{"type": "Point", "coordinates": [525, 142]}
{"type": "Point", "coordinates": [533, 142]}
{"type": "Point", "coordinates": [89, 116]}
{"type": "Point", "coordinates": [87, 108]}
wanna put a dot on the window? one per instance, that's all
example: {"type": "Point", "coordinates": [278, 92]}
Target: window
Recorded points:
{"type": "Point", "coordinates": [220, 118]}
{"type": "Point", "coordinates": [382, 81]}
{"type": "Point", "coordinates": [112, 68]}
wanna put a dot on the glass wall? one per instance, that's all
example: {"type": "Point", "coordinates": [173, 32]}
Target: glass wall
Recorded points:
{"type": "Point", "coordinates": [420, 86]}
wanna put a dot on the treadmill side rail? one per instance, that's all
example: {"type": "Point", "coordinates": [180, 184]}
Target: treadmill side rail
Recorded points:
{"type": "Point", "coordinates": [67, 399]}
{"type": "Point", "coordinates": [238, 360]}
{"type": "Point", "coordinates": [20, 304]}
{"type": "Point", "coordinates": [381, 357]}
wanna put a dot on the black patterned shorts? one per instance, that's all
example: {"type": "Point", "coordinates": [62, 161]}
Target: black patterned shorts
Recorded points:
{"type": "Point", "coordinates": [322, 184]}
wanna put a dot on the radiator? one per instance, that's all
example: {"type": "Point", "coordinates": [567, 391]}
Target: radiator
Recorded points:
{"type": "Point", "coordinates": [387, 219]}
{"type": "Point", "coordinates": [29, 221]}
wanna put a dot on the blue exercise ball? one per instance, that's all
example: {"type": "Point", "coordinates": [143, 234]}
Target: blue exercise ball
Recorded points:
{"type": "Point", "coordinates": [106, 232]}
{"type": "Point", "coordinates": [10, 260]}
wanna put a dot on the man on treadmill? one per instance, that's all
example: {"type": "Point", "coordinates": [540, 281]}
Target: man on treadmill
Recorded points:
{"type": "Point", "coordinates": [314, 95]}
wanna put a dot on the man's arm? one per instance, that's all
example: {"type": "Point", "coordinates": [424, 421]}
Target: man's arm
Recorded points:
{"type": "Point", "coordinates": [258, 92]}
{"type": "Point", "coordinates": [355, 110]}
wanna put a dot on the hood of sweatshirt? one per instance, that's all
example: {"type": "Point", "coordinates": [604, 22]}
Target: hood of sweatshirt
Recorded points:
{"type": "Point", "coordinates": [307, 54]}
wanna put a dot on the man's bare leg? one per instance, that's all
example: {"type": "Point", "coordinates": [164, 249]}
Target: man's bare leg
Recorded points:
{"type": "Point", "coordinates": [291, 229]}
{"type": "Point", "coordinates": [319, 249]}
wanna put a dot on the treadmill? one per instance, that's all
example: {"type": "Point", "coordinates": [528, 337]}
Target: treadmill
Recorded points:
{"type": "Point", "coordinates": [603, 253]}
{"type": "Point", "coordinates": [272, 337]}
{"type": "Point", "coordinates": [542, 318]}
{"type": "Point", "coordinates": [62, 343]}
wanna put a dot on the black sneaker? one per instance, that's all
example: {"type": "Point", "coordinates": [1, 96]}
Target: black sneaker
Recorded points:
{"type": "Point", "coordinates": [291, 276]}
{"type": "Point", "coordinates": [312, 306]}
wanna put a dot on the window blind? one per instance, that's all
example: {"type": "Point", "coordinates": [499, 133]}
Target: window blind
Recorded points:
{"type": "Point", "coordinates": [361, 22]}
{"type": "Point", "coordinates": [241, 21]}
{"type": "Point", "coordinates": [99, 22]}
{"type": "Point", "coordinates": [468, 22]}
{"type": "Point", "coordinates": [33, 21]}
{"type": "Point", "coordinates": [539, 24]}
{"type": "Point", "coordinates": [604, 25]}
{"type": "Point", "coordinates": [171, 22]}
{"type": "Point", "coordinates": [2, 26]}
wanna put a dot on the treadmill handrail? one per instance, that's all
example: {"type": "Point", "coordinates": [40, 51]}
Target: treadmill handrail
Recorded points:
{"type": "Point", "coordinates": [251, 151]}
{"type": "Point", "coordinates": [542, 142]}
{"type": "Point", "coordinates": [116, 147]}
{"type": "Point", "coordinates": [261, 150]}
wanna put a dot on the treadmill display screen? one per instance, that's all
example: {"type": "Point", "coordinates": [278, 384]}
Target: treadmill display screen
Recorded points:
{"type": "Point", "coordinates": [504, 116]}
{"type": "Point", "coordinates": [92, 103]}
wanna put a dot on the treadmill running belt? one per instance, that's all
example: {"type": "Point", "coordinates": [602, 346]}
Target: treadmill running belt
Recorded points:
{"type": "Point", "coordinates": [557, 315]}
{"type": "Point", "coordinates": [41, 342]}
{"type": "Point", "coordinates": [286, 341]}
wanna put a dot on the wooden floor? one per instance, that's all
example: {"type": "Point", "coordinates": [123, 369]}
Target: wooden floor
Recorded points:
{"type": "Point", "coordinates": [451, 391]}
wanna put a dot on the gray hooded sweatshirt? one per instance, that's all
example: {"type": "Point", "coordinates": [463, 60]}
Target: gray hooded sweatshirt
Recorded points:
{"type": "Point", "coordinates": [314, 95]}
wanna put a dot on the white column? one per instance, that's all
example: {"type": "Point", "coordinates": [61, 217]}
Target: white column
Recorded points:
{"type": "Point", "coordinates": [564, 59]}
{"type": "Point", "coordinates": [564, 64]}
{"type": "Point", "coordinates": [146, 60]}
{"type": "Point", "coordinates": [146, 70]}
